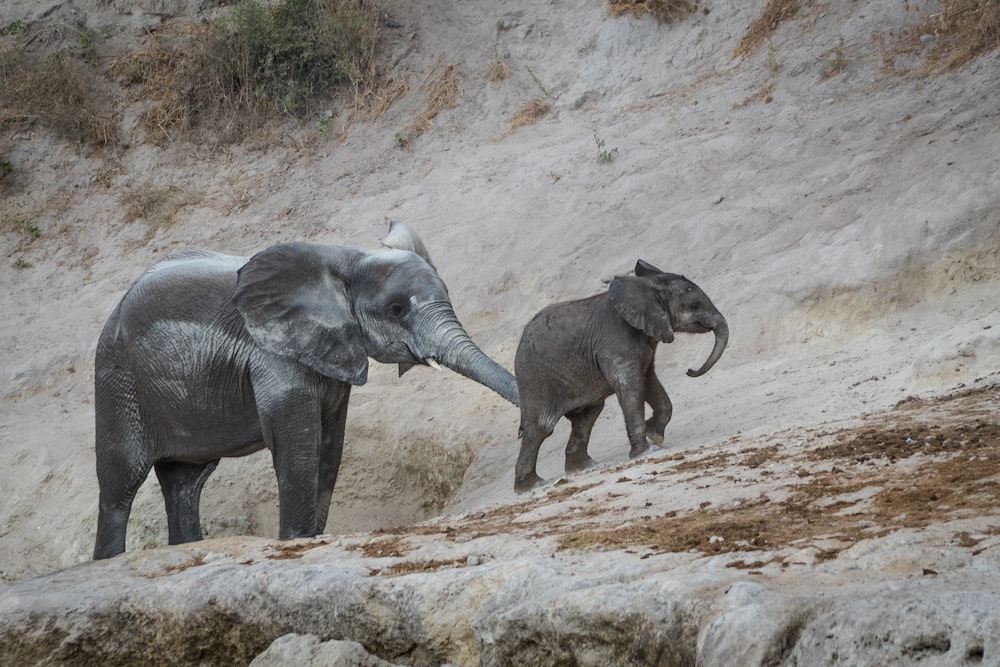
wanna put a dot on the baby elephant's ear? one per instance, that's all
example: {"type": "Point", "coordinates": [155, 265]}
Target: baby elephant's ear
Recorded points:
{"type": "Point", "coordinates": [644, 268]}
{"type": "Point", "coordinates": [636, 300]}
{"type": "Point", "coordinates": [294, 304]}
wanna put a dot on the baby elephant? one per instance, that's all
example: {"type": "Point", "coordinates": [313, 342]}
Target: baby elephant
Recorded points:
{"type": "Point", "coordinates": [573, 355]}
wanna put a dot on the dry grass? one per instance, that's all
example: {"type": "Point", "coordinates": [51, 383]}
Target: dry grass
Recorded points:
{"type": "Point", "coordinates": [375, 98]}
{"type": "Point", "coordinates": [529, 114]}
{"type": "Point", "coordinates": [497, 71]}
{"type": "Point", "coordinates": [235, 78]}
{"type": "Point", "coordinates": [157, 206]}
{"type": "Point", "coordinates": [762, 27]}
{"type": "Point", "coordinates": [964, 30]}
{"type": "Point", "coordinates": [667, 11]}
{"type": "Point", "coordinates": [442, 93]}
{"type": "Point", "coordinates": [59, 91]}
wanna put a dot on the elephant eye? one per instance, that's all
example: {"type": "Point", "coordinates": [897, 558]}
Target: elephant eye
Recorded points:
{"type": "Point", "coordinates": [396, 309]}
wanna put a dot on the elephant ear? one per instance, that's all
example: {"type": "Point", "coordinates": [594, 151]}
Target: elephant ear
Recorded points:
{"type": "Point", "coordinates": [401, 237]}
{"type": "Point", "coordinates": [637, 300]}
{"type": "Point", "coordinates": [294, 304]}
{"type": "Point", "coordinates": [644, 268]}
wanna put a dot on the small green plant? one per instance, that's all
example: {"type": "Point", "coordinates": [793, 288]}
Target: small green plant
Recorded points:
{"type": "Point", "coordinates": [538, 83]}
{"type": "Point", "coordinates": [15, 28]}
{"type": "Point", "coordinates": [324, 126]}
{"type": "Point", "coordinates": [402, 141]}
{"type": "Point", "coordinates": [836, 60]}
{"type": "Point", "coordinates": [87, 41]}
{"type": "Point", "coordinates": [30, 232]}
{"type": "Point", "coordinates": [773, 63]}
{"type": "Point", "coordinates": [22, 263]}
{"type": "Point", "coordinates": [604, 156]}
{"type": "Point", "coordinates": [498, 69]}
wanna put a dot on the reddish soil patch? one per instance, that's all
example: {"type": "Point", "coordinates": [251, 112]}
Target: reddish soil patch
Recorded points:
{"type": "Point", "coordinates": [923, 462]}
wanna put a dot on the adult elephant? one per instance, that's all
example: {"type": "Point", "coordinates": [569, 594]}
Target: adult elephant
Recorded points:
{"type": "Point", "coordinates": [209, 355]}
{"type": "Point", "coordinates": [573, 355]}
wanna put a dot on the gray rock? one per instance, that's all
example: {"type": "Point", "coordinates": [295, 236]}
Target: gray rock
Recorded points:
{"type": "Point", "coordinates": [293, 650]}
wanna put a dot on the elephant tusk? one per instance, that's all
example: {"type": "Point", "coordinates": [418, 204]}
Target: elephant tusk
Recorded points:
{"type": "Point", "coordinates": [432, 362]}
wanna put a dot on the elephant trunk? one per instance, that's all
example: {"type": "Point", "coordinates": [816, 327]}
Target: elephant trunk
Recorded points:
{"type": "Point", "coordinates": [458, 352]}
{"type": "Point", "coordinates": [721, 339]}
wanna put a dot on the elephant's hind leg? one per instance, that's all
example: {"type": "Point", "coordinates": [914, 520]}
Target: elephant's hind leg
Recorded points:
{"type": "Point", "coordinates": [122, 466]}
{"type": "Point", "coordinates": [181, 484]}
{"type": "Point", "coordinates": [532, 435]}
{"type": "Point", "coordinates": [113, 510]}
{"type": "Point", "coordinates": [583, 420]}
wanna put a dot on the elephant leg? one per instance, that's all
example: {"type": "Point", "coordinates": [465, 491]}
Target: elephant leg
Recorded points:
{"type": "Point", "coordinates": [331, 450]}
{"type": "Point", "coordinates": [583, 420]}
{"type": "Point", "coordinates": [532, 435]}
{"type": "Point", "coordinates": [114, 507]}
{"type": "Point", "coordinates": [663, 409]}
{"type": "Point", "coordinates": [633, 406]}
{"type": "Point", "coordinates": [122, 464]}
{"type": "Point", "coordinates": [181, 484]}
{"type": "Point", "coordinates": [291, 429]}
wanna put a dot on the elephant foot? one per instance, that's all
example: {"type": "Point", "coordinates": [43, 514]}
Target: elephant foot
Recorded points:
{"type": "Point", "coordinates": [654, 438]}
{"type": "Point", "coordinates": [580, 464]}
{"type": "Point", "coordinates": [532, 481]}
{"type": "Point", "coordinates": [642, 450]}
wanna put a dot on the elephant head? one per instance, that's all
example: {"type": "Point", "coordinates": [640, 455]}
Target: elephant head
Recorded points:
{"type": "Point", "coordinates": [331, 308]}
{"type": "Point", "coordinates": [659, 304]}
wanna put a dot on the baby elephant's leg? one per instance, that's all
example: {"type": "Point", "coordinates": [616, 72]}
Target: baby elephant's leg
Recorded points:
{"type": "Point", "coordinates": [583, 420]}
{"type": "Point", "coordinates": [663, 409]}
{"type": "Point", "coordinates": [532, 435]}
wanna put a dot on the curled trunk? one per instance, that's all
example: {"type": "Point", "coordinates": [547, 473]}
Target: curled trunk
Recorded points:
{"type": "Point", "coordinates": [721, 340]}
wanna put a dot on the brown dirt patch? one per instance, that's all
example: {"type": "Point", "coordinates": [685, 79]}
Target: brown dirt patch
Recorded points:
{"type": "Point", "coordinates": [411, 566]}
{"type": "Point", "coordinates": [958, 477]}
{"type": "Point", "coordinates": [291, 550]}
{"type": "Point", "coordinates": [921, 463]}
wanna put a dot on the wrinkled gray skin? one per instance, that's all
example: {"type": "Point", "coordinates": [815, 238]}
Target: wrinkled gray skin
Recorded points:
{"type": "Point", "coordinates": [209, 355]}
{"type": "Point", "coordinates": [575, 354]}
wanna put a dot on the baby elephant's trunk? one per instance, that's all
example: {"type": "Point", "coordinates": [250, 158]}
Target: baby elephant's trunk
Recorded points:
{"type": "Point", "coordinates": [721, 339]}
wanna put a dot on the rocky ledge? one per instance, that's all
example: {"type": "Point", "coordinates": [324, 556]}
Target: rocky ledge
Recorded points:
{"type": "Point", "coordinates": [870, 542]}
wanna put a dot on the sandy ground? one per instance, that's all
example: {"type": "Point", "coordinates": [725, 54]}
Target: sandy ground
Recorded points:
{"type": "Point", "coordinates": [847, 223]}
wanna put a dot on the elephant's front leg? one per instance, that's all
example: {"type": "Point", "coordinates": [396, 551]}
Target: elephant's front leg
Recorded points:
{"type": "Point", "coordinates": [663, 409]}
{"type": "Point", "coordinates": [331, 450]}
{"type": "Point", "coordinates": [292, 432]}
{"type": "Point", "coordinates": [633, 406]}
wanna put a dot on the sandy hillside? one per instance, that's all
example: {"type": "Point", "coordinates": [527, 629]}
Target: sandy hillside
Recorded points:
{"type": "Point", "coordinates": [840, 204]}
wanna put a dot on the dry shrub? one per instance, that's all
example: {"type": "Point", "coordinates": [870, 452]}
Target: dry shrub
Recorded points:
{"type": "Point", "coordinates": [375, 98]}
{"type": "Point", "coordinates": [497, 71]}
{"type": "Point", "coordinates": [762, 27]}
{"type": "Point", "coordinates": [157, 206]}
{"type": "Point", "coordinates": [58, 91]}
{"type": "Point", "coordinates": [965, 30]}
{"type": "Point", "coordinates": [263, 61]}
{"type": "Point", "coordinates": [442, 93]}
{"type": "Point", "coordinates": [667, 11]}
{"type": "Point", "coordinates": [529, 114]}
